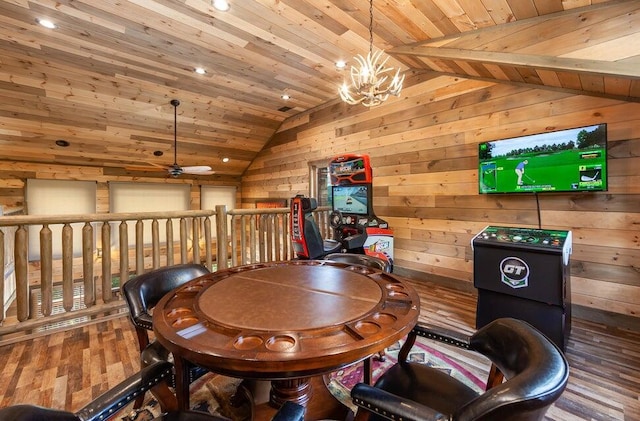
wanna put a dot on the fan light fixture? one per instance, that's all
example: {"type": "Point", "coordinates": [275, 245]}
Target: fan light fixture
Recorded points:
{"type": "Point", "coordinates": [369, 82]}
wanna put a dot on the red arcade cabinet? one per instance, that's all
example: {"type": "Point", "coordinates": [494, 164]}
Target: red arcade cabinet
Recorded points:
{"type": "Point", "coordinates": [351, 198]}
{"type": "Point", "coordinates": [356, 229]}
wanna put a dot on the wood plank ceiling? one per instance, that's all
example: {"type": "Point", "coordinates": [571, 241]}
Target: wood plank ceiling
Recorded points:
{"type": "Point", "coordinates": [103, 79]}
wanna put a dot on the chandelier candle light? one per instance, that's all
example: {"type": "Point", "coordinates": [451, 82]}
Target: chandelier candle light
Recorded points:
{"type": "Point", "coordinates": [369, 80]}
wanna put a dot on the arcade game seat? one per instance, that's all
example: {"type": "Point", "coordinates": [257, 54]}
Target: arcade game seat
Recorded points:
{"type": "Point", "coordinates": [305, 234]}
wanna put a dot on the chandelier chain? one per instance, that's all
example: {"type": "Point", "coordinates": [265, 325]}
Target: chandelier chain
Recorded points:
{"type": "Point", "coordinates": [370, 27]}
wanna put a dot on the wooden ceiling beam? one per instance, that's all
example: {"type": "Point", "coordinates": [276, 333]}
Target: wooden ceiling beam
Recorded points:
{"type": "Point", "coordinates": [558, 64]}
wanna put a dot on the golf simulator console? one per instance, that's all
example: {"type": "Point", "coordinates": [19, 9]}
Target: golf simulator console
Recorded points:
{"type": "Point", "coordinates": [524, 273]}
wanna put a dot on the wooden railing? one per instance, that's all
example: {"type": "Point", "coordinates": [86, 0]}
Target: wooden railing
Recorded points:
{"type": "Point", "coordinates": [62, 282]}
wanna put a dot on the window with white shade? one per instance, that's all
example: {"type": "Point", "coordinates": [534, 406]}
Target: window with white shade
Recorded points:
{"type": "Point", "coordinates": [147, 197]}
{"type": "Point", "coordinates": [59, 197]}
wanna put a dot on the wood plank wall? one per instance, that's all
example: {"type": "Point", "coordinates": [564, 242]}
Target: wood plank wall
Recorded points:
{"type": "Point", "coordinates": [423, 148]}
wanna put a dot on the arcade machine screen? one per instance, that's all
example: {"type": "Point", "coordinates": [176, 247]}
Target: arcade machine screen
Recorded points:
{"type": "Point", "coordinates": [351, 199]}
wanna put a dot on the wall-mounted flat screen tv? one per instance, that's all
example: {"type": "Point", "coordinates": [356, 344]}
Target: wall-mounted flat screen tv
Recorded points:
{"type": "Point", "coordinates": [569, 160]}
{"type": "Point", "coordinates": [351, 199]}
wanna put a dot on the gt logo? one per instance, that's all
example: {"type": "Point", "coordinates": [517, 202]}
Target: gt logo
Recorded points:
{"type": "Point", "coordinates": [514, 272]}
{"type": "Point", "coordinates": [515, 269]}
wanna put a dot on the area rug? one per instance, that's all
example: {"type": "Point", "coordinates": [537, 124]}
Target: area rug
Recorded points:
{"type": "Point", "coordinates": [341, 382]}
{"type": "Point", "coordinates": [212, 393]}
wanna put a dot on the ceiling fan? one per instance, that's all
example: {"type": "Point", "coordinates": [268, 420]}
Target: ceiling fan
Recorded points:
{"type": "Point", "coordinates": [175, 169]}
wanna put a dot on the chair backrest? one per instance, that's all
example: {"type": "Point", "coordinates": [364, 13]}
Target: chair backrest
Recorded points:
{"type": "Point", "coordinates": [535, 370]}
{"type": "Point", "coordinates": [360, 259]}
{"type": "Point", "coordinates": [144, 291]}
{"type": "Point", "coordinates": [305, 233]}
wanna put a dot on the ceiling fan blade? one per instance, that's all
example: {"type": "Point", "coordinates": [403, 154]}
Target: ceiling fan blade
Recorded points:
{"type": "Point", "coordinates": [198, 169]}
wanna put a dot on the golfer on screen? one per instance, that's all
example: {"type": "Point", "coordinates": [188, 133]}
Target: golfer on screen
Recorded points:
{"type": "Point", "coordinates": [520, 170]}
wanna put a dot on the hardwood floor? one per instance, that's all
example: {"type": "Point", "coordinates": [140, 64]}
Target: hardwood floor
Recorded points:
{"type": "Point", "coordinates": [66, 370]}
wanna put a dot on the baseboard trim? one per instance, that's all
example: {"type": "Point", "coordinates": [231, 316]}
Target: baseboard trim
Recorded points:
{"type": "Point", "coordinates": [589, 314]}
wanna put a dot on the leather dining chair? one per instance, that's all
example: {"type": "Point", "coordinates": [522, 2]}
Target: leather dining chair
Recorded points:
{"type": "Point", "coordinates": [141, 294]}
{"type": "Point", "coordinates": [112, 403]}
{"type": "Point", "coordinates": [528, 374]}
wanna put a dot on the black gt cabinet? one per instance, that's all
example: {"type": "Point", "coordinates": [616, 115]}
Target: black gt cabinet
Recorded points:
{"type": "Point", "coordinates": [524, 273]}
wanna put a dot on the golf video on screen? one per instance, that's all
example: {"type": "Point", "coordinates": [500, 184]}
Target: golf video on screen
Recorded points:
{"type": "Point", "coordinates": [561, 161]}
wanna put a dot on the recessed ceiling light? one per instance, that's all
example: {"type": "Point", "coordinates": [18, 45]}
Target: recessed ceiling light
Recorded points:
{"type": "Point", "coordinates": [341, 64]}
{"type": "Point", "coordinates": [200, 70]}
{"type": "Point", "coordinates": [158, 153]}
{"type": "Point", "coordinates": [221, 5]}
{"type": "Point", "coordinates": [62, 143]}
{"type": "Point", "coordinates": [285, 97]}
{"type": "Point", "coordinates": [225, 159]}
{"type": "Point", "coordinates": [47, 23]}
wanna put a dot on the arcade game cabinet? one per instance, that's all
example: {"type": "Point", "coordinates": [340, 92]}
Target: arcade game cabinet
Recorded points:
{"type": "Point", "coordinates": [352, 213]}
{"type": "Point", "coordinates": [356, 229]}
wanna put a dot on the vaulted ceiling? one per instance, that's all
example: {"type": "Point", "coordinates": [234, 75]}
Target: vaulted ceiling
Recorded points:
{"type": "Point", "coordinates": [103, 79]}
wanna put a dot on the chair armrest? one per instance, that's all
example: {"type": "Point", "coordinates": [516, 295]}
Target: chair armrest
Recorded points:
{"type": "Point", "coordinates": [126, 391]}
{"type": "Point", "coordinates": [392, 407]}
{"type": "Point", "coordinates": [289, 411]}
{"type": "Point", "coordinates": [447, 336]}
{"type": "Point", "coordinates": [144, 320]}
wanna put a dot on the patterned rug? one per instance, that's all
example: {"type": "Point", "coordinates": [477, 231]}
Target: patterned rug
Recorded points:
{"type": "Point", "coordinates": [212, 392]}
{"type": "Point", "coordinates": [341, 382]}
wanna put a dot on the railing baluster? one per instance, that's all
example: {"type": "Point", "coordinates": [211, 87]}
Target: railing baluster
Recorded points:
{"type": "Point", "coordinates": [234, 240]}
{"type": "Point", "coordinates": [221, 237]}
{"type": "Point", "coordinates": [195, 239]}
{"type": "Point", "coordinates": [87, 265]}
{"type": "Point", "coordinates": [207, 242]}
{"type": "Point", "coordinates": [183, 240]}
{"type": "Point", "coordinates": [67, 267]}
{"type": "Point", "coordinates": [107, 295]}
{"type": "Point", "coordinates": [253, 239]}
{"type": "Point", "coordinates": [170, 242]}
{"type": "Point", "coordinates": [242, 229]}
{"type": "Point", "coordinates": [155, 243]}
{"type": "Point", "coordinates": [124, 252]}
{"type": "Point", "coordinates": [22, 274]}
{"type": "Point", "coordinates": [46, 278]}
{"type": "Point", "coordinates": [139, 247]}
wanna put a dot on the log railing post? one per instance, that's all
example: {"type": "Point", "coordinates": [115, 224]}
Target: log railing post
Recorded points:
{"type": "Point", "coordinates": [195, 239]}
{"type": "Point", "coordinates": [221, 237]}
{"type": "Point", "coordinates": [22, 274]}
{"type": "Point", "coordinates": [139, 247]}
{"type": "Point", "coordinates": [207, 243]}
{"type": "Point", "coordinates": [155, 243]}
{"type": "Point", "coordinates": [87, 265]}
{"type": "Point", "coordinates": [107, 295]}
{"type": "Point", "coordinates": [170, 251]}
{"type": "Point", "coordinates": [124, 252]}
{"type": "Point", "coordinates": [46, 278]}
{"type": "Point", "coordinates": [183, 240]}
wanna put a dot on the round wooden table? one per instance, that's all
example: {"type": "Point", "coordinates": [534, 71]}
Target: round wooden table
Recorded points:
{"type": "Point", "coordinates": [283, 321]}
